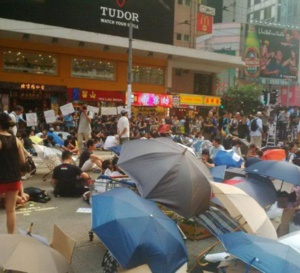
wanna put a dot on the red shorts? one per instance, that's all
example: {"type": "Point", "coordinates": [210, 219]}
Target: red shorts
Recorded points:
{"type": "Point", "coordinates": [13, 186]}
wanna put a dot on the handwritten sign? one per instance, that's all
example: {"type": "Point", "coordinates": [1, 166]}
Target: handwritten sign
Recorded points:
{"type": "Point", "coordinates": [31, 119]}
{"type": "Point", "coordinates": [49, 116]}
{"type": "Point", "coordinates": [94, 110]}
{"type": "Point", "coordinates": [67, 109]}
{"type": "Point", "coordinates": [108, 111]}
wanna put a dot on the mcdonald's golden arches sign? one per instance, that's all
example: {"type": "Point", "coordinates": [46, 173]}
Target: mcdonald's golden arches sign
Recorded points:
{"type": "Point", "coordinates": [204, 23]}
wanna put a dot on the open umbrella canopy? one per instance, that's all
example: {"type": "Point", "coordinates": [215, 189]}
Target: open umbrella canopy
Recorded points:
{"type": "Point", "coordinates": [50, 156]}
{"type": "Point", "coordinates": [137, 232]}
{"type": "Point", "coordinates": [292, 240]}
{"type": "Point", "coordinates": [25, 254]}
{"type": "Point", "coordinates": [280, 170]}
{"type": "Point", "coordinates": [274, 154]}
{"type": "Point", "coordinates": [258, 187]}
{"type": "Point", "coordinates": [228, 158]}
{"type": "Point", "coordinates": [250, 215]}
{"type": "Point", "coordinates": [167, 173]}
{"type": "Point", "coordinates": [264, 254]}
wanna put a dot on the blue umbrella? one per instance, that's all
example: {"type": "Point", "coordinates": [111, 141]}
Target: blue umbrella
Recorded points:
{"type": "Point", "coordinates": [137, 232]}
{"type": "Point", "coordinates": [264, 254]}
{"type": "Point", "coordinates": [218, 173]}
{"type": "Point", "coordinates": [281, 170]}
{"type": "Point", "coordinates": [228, 158]}
{"type": "Point", "coordinates": [116, 149]}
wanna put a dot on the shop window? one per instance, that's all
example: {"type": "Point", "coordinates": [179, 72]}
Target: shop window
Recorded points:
{"type": "Point", "coordinates": [178, 36]}
{"type": "Point", "coordinates": [148, 75]}
{"type": "Point", "coordinates": [29, 62]}
{"type": "Point", "coordinates": [93, 69]}
{"type": "Point", "coordinates": [186, 38]}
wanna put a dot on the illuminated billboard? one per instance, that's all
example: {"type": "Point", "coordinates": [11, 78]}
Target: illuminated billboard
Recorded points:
{"type": "Point", "coordinates": [271, 54]}
{"type": "Point", "coordinates": [153, 20]}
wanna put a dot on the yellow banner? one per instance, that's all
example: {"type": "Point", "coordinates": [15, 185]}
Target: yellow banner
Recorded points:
{"type": "Point", "coordinates": [191, 100]}
{"type": "Point", "coordinates": [212, 101]}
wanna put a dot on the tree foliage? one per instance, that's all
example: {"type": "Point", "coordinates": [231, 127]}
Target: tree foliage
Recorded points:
{"type": "Point", "coordinates": [244, 99]}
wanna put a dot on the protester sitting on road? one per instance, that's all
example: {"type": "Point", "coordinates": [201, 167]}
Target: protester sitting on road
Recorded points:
{"type": "Point", "coordinates": [68, 146]}
{"type": "Point", "coordinates": [206, 159]}
{"type": "Point", "coordinates": [252, 151]}
{"type": "Point", "coordinates": [49, 142]}
{"type": "Point", "coordinates": [68, 180]}
{"type": "Point", "coordinates": [27, 143]}
{"type": "Point", "coordinates": [87, 159]}
{"type": "Point", "coordinates": [237, 143]}
{"type": "Point", "coordinates": [216, 146]}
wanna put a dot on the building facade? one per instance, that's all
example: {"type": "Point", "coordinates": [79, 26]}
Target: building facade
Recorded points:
{"type": "Point", "coordinates": [46, 61]}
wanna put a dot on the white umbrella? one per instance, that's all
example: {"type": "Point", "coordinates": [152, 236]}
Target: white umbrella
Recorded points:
{"type": "Point", "coordinates": [26, 254]}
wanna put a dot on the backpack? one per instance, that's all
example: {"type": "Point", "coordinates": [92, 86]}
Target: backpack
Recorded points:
{"type": "Point", "coordinates": [37, 194]}
{"type": "Point", "coordinates": [253, 125]}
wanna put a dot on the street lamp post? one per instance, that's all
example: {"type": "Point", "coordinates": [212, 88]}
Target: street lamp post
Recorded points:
{"type": "Point", "coordinates": [129, 72]}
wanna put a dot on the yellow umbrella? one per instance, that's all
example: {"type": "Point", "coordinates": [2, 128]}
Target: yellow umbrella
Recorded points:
{"type": "Point", "coordinates": [251, 216]}
{"type": "Point", "coordinates": [36, 139]}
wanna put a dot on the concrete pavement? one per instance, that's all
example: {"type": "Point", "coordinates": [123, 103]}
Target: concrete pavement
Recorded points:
{"type": "Point", "coordinates": [62, 212]}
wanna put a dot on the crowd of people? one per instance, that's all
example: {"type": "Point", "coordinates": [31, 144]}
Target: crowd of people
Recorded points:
{"type": "Point", "coordinates": [84, 132]}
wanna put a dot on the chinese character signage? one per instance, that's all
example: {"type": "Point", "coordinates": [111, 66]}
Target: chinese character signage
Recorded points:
{"type": "Point", "coordinates": [32, 86]}
{"type": "Point", "coordinates": [147, 99]}
{"type": "Point", "coordinates": [191, 99]}
{"type": "Point", "coordinates": [212, 101]}
{"type": "Point", "coordinates": [195, 100]}
{"type": "Point", "coordinates": [271, 54]}
{"type": "Point", "coordinates": [153, 20]}
{"type": "Point", "coordinates": [205, 23]}
{"type": "Point", "coordinates": [107, 96]}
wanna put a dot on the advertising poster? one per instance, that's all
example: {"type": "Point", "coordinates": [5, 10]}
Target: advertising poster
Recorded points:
{"type": "Point", "coordinates": [31, 119]}
{"type": "Point", "coordinates": [271, 54]}
{"type": "Point", "coordinates": [153, 20]}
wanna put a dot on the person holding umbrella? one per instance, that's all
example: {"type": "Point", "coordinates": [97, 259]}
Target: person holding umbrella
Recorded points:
{"type": "Point", "coordinates": [11, 156]}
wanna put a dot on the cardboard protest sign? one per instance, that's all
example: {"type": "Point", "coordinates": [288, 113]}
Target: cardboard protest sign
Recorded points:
{"type": "Point", "coordinates": [67, 109]}
{"type": "Point", "coordinates": [31, 119]}
{"type": "Point", "coordinates": [50, 116]}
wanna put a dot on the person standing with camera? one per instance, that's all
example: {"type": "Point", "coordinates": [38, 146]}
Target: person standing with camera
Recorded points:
{"type": "Point", "coordinates": [84, 126]}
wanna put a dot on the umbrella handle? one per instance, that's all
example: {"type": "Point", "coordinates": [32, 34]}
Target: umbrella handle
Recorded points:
{"type": "Point", "coordinates": [201, 255]}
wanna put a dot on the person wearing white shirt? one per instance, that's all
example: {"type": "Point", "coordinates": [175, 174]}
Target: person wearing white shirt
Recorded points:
{"type": "Point", "coordinates": [216, 146]}
{"type": "Point", "coordinates": [84, 127]}
{"type": "Point", "coordinates": [123, 127]}
{"type": "Point", "coordinates": [256, 136]}
{"type": "Point", "coordinates": [14, 115]}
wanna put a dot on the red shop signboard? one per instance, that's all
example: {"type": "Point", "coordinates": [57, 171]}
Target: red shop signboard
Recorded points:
{"type": "Point", "coordinates": [107, 96]}
{"type": "Point", "coordinates": [149, 99]}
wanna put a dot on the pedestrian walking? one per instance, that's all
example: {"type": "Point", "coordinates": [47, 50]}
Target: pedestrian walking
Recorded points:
{"type": "Point", "coordinates": [11, 155]}
{"type": "Point", "coordinates": [84, 126]}
{"type": "Point", "coordinates": [256, 130]}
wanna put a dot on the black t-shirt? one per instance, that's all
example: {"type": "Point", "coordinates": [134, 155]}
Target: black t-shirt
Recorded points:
{"type": "Point", "coordinates": [67, 177]}
{"type": "Point", "coordinates": [84, 157]}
